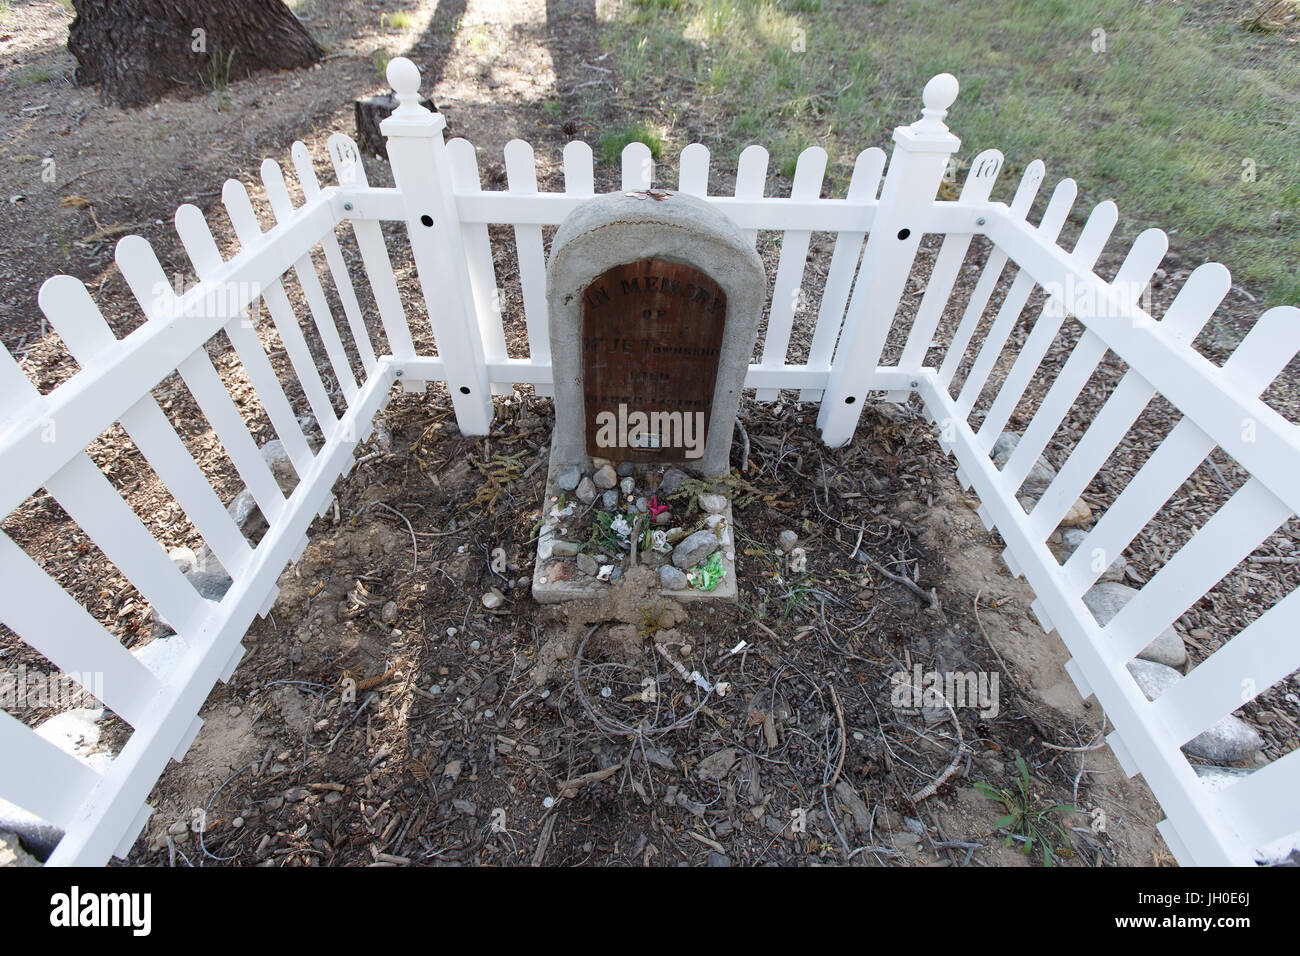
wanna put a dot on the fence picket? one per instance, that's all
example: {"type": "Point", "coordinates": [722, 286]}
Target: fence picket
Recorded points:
{"type": "Point", "coordinates": [1187, 315]}
{"type": "Point", "coordinates": [201, 248]}
{"type": "Point", "coordinates": [144, 276]}
{"type": "Point", "coordinates": [45, 616]}
{"type": "Point", "coordinates": [579, 175]}
{"type": "Point", "coordinates": [350, 171]}
{"type": "Point", "coordinates": [1253, 365]}
{"type": "Point", "coordinates": [989, 276]}
{"type": "Point", "coordinates": [1049, 228]}
{"type": "Point", "coordinates": [979, 183]}
{"type": "Point", "coordinates": [277, 193]}
{"type": "Point", "coordinates": [463, 161]}
{"type": "Point", "coordinates": [1232, 533]}
{"type": "Point", "coordinates": [1092, 239]}
{"type": "Point", "coordinates": [72, 312]}
{"type": "Point", "coordinates": [1263, 802]}
{"type": "Point", "coordinates": [751, 180]}
{"type": "Point", "coordinates": [521, 177]}
{"type": "Point", "coordinates": [787, 287]}
{"type": "Point", "coordinates": [693, 171]}
{"type": "Point", "coordinates": [863, 185]}
{"type": "Point", "coordinates": [338, 266]}
{"type": "Point", "coordinates": [638, 167]}
{"type": "Point", "coordinates": [1252, 661]}
{"type": "Point", "coordinates": [55, 793]}
{"type": "Point", "coordinates": [1135, 272]}
{"type": "Point", "coordinates": [240, 210]}
{"type": "Point", "coordinates": [91, 501]}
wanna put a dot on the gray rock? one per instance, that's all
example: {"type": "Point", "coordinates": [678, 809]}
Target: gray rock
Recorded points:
{"type": "Point", "coordinates": [716, 766]}
{"type": "Point", "coordinates": [493, 599]}
{"type": "Point", "coordinates": [567, 478]}
{"type": "Point", "coordinates": [624, 468]}
{"type": "Point", "coordinates": [694, 548]}
{"type": "Point", "coordinates": [642, 505]}
{"type": "Point", "coordinates": [663, 518]}
{"type": "Point", "coordinates": [212, 583]}
{"type": "Point", "coordinates": [712, 504]}
{"type": "Point", "coordinates": [718, 859]}
{"type": "Point", "coordinates": [609, 500]}
{"type": "Point", "coordinates": [787, 540]}
{"type": "Point", "coordinates": [388, 613]}
{"type": "Point", "coordinates": [672, 481]}
{"type": "Point", "coordinates": [1040, 475]}
{"type": "Point", "coordinates": [1228, 741]}
{"type": "Point", "coordinates": [671, 578]}
{"type": "Point", "coordinates": [626, 485]}
{"type": "Point", "coordinates": [605, 477]}
{"type": "Point", "coordinates": [586, 491]}
{"type": "Point", "coordinates": [1072, 538]}
{"type": "Point", "coordinates": [564, 549]}
{"type": "Point", "coordinates": [1105, 600]}
{"type": "Point", "coordinates": [587, 564]}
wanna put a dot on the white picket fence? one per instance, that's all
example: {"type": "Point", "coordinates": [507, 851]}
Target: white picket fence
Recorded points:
{"type": "Point", "coordinates": [446, 214]}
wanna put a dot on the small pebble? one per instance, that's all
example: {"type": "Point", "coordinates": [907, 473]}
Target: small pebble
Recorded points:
{"type": "Point", "coordinates": [626, 485]}
{"type": "Point", "coordinates": [788, 540]}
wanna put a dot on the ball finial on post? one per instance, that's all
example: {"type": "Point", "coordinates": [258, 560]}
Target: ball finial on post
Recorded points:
{"type": "Point", "coordinates": [938, 95]}
{"type": "Point", "coordinates": [404, 78]}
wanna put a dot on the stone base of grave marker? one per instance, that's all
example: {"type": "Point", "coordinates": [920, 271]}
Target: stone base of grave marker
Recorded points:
{"type": "Point", "coordinates": [654, 300]}
{"type": "Point", "coordinates": [571, 568]}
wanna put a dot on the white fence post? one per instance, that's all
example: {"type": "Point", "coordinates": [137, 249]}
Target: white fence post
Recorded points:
{"type": "Point", "coordinates": [916, 170]}
{"type": "Point", "coordinates": [417, 154]}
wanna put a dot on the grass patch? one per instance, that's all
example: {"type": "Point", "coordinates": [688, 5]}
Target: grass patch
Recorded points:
{"type": "Point", "coordinates": [1141, 104]}
{"type": "Point", "coordinates": [400, 20]}
{"type": "Point", "coordinates": [613, 143]}
{"type": "Point", "coordinates": [33, 77]}
{"type": "Point", "coordinates": [1028, 818]}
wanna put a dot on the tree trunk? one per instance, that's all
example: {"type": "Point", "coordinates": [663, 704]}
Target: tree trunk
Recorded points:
{"type": "Point", "coordinates": [137, 50]}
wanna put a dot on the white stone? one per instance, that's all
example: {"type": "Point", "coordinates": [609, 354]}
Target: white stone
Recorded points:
{"type": "Point", "coordinates": [712, 504]}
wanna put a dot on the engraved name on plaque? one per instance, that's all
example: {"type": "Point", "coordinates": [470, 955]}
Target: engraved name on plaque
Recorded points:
{"type": "Point", "coordinates": [651, 338]}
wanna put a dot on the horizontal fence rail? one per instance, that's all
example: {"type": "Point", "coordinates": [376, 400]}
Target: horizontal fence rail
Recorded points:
{"type": "Point", "coordinates": [323, 271]}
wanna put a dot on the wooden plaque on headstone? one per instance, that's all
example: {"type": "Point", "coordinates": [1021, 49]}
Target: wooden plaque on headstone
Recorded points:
{"type": "Point", "coordinates": [651, 340]}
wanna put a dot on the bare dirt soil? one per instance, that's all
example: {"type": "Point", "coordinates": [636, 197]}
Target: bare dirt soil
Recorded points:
{"type": "Point", "coordinates": [803, 760]}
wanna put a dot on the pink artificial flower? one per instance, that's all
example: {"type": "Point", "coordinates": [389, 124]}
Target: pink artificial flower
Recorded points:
{"type": "Point", "coordinates": [656, 509]}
